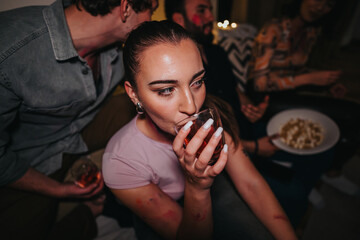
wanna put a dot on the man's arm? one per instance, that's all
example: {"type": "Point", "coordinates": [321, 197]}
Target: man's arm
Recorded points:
{"type": "Point", "coordinates": [34, 181]}
{"type": "Point", "coordinates": [19, 175]}
{"type": "Point", "coordinates": [10, 167]}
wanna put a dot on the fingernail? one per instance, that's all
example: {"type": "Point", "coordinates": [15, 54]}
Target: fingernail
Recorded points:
{"type": "Point", "coordinates": [187, 125]}
{"type": "Point", "coordinates": [208, 123]}
{"type": "Point", "coordinates": [225, 148]}
{"type": "Point", "coordinates": [218, 132]}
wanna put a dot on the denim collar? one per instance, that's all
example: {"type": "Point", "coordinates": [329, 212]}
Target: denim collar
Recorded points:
{"type": "Point", "coordinates": [60, 37]}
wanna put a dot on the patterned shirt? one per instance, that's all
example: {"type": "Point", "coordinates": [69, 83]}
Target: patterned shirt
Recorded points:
{"type": "Point", "coordinates": [278, 56]}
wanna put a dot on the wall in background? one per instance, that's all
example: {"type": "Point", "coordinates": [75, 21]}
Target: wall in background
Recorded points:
{"type": "Point", "coordinates": [10, 4]}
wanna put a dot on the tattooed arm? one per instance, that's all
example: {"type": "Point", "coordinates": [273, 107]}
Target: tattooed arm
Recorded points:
{"type": "Point", "coordinates": [257, 193]}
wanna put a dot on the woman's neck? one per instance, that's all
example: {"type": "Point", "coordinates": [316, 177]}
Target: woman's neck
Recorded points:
{"type": "Point", "coordinates": [149, 129]}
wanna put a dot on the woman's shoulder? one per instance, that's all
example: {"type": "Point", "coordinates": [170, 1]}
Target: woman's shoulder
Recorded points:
{"type": "Point", "coordinates": [130, 143]}
{"type": "Point", "coordinates": [123, 135]}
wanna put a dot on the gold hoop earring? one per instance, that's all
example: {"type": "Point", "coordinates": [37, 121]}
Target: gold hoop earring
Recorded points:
{"type": "Point", "coordinates": [139, 109]}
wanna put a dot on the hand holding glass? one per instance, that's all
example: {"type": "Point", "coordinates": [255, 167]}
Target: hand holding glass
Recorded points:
{"type": "Point", "coordinates": [85, 172]}
{"type": "Point", "coordinates": [198, 120]}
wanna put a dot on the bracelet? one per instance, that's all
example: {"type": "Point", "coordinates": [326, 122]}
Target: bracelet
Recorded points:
{"type": "Point", "coordinates": [256, 149]}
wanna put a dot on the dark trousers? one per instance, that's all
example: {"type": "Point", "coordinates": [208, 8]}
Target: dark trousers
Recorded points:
{"type": "Point", "coordinates": [27, 215]}
{"type": "Point", "coordinates": [233, 219]}
{"type": "Point", "coordinates": [292, 185]}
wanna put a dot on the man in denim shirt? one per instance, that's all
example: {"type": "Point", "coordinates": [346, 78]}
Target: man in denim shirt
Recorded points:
{"type": "Point", "coordinates": [58, 67]}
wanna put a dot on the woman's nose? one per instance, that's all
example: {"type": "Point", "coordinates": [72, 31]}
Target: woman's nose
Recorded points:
{"type": "Point", "coordinates": [187, 104]}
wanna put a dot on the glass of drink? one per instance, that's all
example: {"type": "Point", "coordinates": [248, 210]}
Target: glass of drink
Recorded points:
{"type": "Point", "coordinates": [85, 172]}
{"type": "Point", "coordinates": [198, 120]}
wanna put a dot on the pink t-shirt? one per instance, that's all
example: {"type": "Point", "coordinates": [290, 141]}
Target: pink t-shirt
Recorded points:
{"type": "Point", "coordinates": [133, 160]}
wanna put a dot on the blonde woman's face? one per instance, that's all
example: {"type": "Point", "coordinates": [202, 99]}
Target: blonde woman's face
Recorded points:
{"type": "Point", "coordinates": [312, 10]}
{"type": "Point", "coordinates": [170, 83]}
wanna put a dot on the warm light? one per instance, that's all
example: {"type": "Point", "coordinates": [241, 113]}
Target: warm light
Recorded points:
{"type": "Point", "coordinates": [226, 25]}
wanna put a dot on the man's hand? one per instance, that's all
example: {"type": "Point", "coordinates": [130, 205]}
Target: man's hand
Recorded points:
{"type": "Point", "coordinates": [71, 190]}
{"type": "Point", "coordinates": [254, 113]}
{"type": "Point", "coordinates": [35, 181]}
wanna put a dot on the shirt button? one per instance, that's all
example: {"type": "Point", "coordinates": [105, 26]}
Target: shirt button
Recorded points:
{"type": "Point", "coordinates": [85, 71]}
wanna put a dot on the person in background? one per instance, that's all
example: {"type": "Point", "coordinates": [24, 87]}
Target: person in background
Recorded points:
{"type": "Point", "coordinates": [59, 66]}
{"type": "Point", "coordinates": [148, 168]}
{"type": "Point", "coordinates": [197, 18]}
{"type": "Point", "coordinates": [279, 68]}
{"type": "Point", "coordinates": [283, 46]}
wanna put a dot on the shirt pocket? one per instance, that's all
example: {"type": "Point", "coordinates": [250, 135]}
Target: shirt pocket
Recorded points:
{"type": "Point", "coordinates": [53, 114]}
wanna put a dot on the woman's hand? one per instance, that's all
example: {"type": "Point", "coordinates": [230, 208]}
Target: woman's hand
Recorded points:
{"type": "Point", "coordinates": [197, 171]}
{"type": "Point", "coordinates": [254, 113]}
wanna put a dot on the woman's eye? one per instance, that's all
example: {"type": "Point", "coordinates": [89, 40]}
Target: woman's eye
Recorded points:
{"type": "Point", "coordinates": [165, 91]}
{"type": "Point", "coordinates": [198, 83]}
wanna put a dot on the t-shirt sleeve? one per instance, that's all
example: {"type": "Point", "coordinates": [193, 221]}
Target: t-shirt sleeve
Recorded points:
{"type": "Point", "coordinates": [121, 173]}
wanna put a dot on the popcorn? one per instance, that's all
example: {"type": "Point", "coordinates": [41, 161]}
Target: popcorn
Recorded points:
{"type": "Point", "coordinates": [301, 133]}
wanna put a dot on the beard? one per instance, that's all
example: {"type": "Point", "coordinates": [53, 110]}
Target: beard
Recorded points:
{"type": "Point", "coordinates": [197, 32]}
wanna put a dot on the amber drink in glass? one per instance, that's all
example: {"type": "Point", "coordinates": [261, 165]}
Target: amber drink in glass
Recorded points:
{"type": "Point", "coordinates": [85, 172]}
{"type": "Point", "coordinates": [198, 120]}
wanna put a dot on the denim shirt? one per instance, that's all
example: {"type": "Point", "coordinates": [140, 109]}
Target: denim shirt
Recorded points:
{"type": "Point", "coordinates": [47, 91]}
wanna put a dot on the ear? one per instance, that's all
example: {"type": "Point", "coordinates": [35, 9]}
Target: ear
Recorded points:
{"type": "Point", "coordinates": [179, 19]}
{"type": "Point", "coordinates": [131, 92]}
{"type": "Point", "coordinates": [124, 10]}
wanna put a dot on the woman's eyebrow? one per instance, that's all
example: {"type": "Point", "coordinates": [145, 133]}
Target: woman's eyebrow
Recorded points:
{"type": "Point", "coordinates": [170, 81]}
{"type": "Point", "coordinates": [165, 81]}
{"type": "Point", "coordinates": [198, 74]}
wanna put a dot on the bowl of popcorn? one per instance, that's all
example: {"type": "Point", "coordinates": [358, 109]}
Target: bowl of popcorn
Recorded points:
{"type": "Point", "coordinates": [303, 131]}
